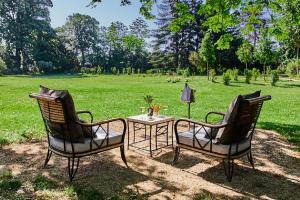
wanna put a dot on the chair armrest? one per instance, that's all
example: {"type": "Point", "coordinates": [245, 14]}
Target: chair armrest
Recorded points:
{"type": "Point", "coordinates": [88, 112]}
{"type": "Point", "coordinates": [199, 123]}
{"type": "Point", "coordinates": [202, 124]}
{"type": "Point", "coordinates": [213, 112]}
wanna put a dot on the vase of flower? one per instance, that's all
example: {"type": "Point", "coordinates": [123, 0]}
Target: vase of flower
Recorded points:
{"type": "Point", "coordinates": [148, 99]}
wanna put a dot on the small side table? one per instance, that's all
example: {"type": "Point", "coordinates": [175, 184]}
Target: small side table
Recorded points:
{"type": "Point", "coordinates": [161, 124]}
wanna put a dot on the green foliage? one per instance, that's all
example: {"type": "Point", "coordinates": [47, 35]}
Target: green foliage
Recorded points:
{"type": "Point", "coordinates": [3, 67]}
{"type": "Point", "coordinates": [196, 60]}
{"type": "Point", "coordinates": [244, 53]}
{"type": "Point", "coordinates": [82, 31]}
{"type": "Point", "coordinates": [235, 74]}
{"type": "Point", "coordinates": [255, 73]}
{"type": "Point", "coordinates": [45, 66]}
{"type": "Point", "coordinates": [43, 183]}
{"type": "Point", "coordinates": [186, 72]}
{"type": "Point", "coordinates": [114, 70]}
{"type": "Point", "coordinates": [291, 67]}
{"type": "Point", "coordinates": [227, 77]}
{"type": "Point", "coordinates": [274, 77]}
{"type": "Point", "coordinates": [207, 50]}
{"type": "Point", "coordinates": [212, 75]}
{"type": "Point", "coordinates": [248, 76]}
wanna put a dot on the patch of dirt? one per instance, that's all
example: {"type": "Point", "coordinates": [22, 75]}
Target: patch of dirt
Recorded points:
{"type": "Point", "coordinates": [276, 174]}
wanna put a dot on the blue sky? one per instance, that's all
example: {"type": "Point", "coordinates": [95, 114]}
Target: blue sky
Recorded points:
{"type": "Point", "coordinates": [105, 12]}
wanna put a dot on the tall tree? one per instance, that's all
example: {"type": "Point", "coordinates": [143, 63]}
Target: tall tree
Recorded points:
{"type": "Point", "coordinates": [21, 21]}
{"type": "Point", "coordinates": [82, 30]}
{"type": "Point", "coordinates": [264, 51]}
{"type": "Point", "coordinates": [207, 51]}
{"type": "Point", "coordinates": [244, 53]}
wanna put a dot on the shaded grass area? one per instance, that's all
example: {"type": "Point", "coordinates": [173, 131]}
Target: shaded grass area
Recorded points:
{"type": "Point", "coordinates": [110, 96]}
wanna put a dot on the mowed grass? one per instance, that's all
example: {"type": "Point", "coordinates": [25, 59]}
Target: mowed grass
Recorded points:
{"type": "Point", "coordinates": [110, 96]}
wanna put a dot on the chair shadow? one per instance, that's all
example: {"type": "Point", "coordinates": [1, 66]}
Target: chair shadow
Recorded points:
{"type": "Point", "coordinates": [99, 172]}
{"type": "Point", "coordinates": [259, 183]}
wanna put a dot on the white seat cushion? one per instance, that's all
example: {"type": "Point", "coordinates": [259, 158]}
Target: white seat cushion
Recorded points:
{"type": "Point", "coordinates": [188, 139]}
{"type": "Point", "coordinates": [113, 138]}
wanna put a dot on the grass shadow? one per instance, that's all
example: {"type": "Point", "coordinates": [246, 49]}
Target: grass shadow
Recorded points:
{"type": "Point", "coordinates": [292, 132]}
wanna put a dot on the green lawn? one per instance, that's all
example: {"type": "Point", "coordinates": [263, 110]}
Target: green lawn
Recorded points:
{"type": "Point", "coordinates": [120, 96]}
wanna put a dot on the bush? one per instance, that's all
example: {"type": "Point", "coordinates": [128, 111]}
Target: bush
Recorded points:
{"type": "Point", "coordinates": [255, 73]}
{"type": "Point", "coordinates": [248, 76]}
{"type": "Point", "coordinates": [235, 74]}
{"type": "Point", "coordinates": [129, 70]}
{"type": "Point", "coordinates": [274, 77]}
{"type": "Point", "coordinates": [227, 77]}
{"type": "Point", "coordinates": [186, 72]}
{"type": "Point", "coordinates": [2, 67]}
{"type": "Point", "coordinates": [45, 66]}
{"type": "Point", "coordinates": [291, 68]}
{"type": "Point", "coordinates": [99, 70]}
{"type": "Point", "coordinates": [213, 75]}
{"type": "Point", "coordinates": [114, 70]}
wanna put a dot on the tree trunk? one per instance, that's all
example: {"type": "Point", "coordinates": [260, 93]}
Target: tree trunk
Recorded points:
{"type": "Point", "coordinates": [207, 70]}
{"type": "Point", "coordinates": [246, 67]}
{"type": "Point", "coordinates": [297, 60]}
{"type": "Point", "coordinates": [82, 58]}
{"type": "Point", "coordinates": [18, 60]}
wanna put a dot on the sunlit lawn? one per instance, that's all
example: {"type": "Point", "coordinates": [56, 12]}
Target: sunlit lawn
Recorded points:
{"type": "Point", "coordinates": [120, 96]}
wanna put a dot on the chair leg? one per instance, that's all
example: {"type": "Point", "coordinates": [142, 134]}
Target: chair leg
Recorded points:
{"type": "Point", "coordinates": [72, 167]}
{"type": "Point", "coordinates": [176, 154]}
{"type": "Point", "coordinates": [250, 159]}
{"type": "Point", "coordinates": [123, 155]}
{"type": "Point", "coordinates": [49, 153]}
{"type": "Point", "coordinates": [228, 168]}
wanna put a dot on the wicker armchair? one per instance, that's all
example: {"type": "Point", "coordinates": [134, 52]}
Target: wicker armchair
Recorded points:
{"type": "Point", "coordinates": [228, 139]}
{"type": "Point", "coordinates": [60, 128]}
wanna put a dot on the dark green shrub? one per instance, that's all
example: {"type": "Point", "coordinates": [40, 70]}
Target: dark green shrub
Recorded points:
{"type": "Point", "coordinates": [248, 76]}
{"type": "Point", "coordinates": [255, 73]}
{"type": "Point", "coordinates": [212, 75]}
{"type": "Point", "coordinates": [274, 77]}
{"type": "Point", "coordinates": [227, 77]}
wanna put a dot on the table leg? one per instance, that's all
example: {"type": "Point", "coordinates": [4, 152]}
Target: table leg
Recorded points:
{"type": "Point", "coordinates": [156, 137]}
{"type": "Point", "coordinates": [167, 133]}
{"type": "Point", "coordinates": [128, 124]}
{"type": "Point", "coordinates": [134, 132]}
{"type": "Point", "coordinates": [172, 132]}
{"type": "Point", "coordinates": [150, 140]}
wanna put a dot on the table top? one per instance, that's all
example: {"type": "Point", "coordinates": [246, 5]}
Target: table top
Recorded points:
{"type": "Point", "coordinates": [144, 119]}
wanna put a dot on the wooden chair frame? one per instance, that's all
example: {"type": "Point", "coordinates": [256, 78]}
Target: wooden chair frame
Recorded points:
{"type": "Point", "coordinates": [228, 158]}
{"type": "Point", "coordinates": [54, 110]}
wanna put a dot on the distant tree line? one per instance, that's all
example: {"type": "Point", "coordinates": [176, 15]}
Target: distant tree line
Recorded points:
{"type": "Point", "coordinates": [194, 36]}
